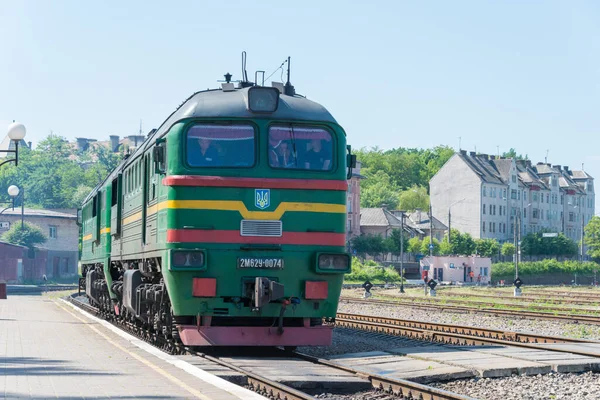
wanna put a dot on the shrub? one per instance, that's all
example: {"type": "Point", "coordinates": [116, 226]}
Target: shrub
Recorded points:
{"type": "Point", "coordinates": [370, 271]}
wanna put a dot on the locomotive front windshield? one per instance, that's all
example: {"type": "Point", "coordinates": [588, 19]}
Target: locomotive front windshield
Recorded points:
{"type": "Point", "coordinates": [300, 147]}
{"type": "Point", "coordinates": [211, 145]}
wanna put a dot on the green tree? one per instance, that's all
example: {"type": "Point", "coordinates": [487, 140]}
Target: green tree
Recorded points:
{"type": "Point", "coordinates": [372, 245]}
{"type": "Point", "coordinates": [425, 246]}
{"type": "Point", "coordinates": [27, 235]}
{"type": "Point", "coordinates": [592, 238]}
{"type": "Point", "coordinates": [445, 247]}
{"type": "Point", "coordinates": [414, 245]}
{"type": "Point", "coordinates": [413, 198]}
{"type": "Point", "coordinates": [379, 191]}
{"type": "Point", "coordinates": [392, 242]}
{"type": "Point", "coordinates": [487, 247]}
{"type": "Point", "coordinates": [512, 153]}
{"type": "Point", "coordinates": [462, 243]}
{"type": "Point", "coordinates": [535, 244]}
{"type": "Point", "coordinates": [508, 249]}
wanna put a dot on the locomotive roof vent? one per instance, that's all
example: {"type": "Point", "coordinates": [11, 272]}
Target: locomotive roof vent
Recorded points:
{"type": "Point", "coordinates": [278, 85]}
{"type": "Point", "coordinates": [228, 87]}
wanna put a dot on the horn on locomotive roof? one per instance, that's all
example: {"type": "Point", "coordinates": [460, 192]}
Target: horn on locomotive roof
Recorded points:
{"type": "Point", "coordinates": [244, 82]}
{"type": "Point", "coordinates": [289, 88]}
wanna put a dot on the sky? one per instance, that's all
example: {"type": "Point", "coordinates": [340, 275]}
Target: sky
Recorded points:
{"type": "Point", "coordinates": [496, 74]}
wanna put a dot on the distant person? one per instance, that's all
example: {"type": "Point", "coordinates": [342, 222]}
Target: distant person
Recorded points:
{"type": "Point", "coordinates": [207, 155]}
{"type": "Point", "coordinates": [471, 275]}
{"type": "Point", "coordinates": [318, 157]}
{"type": "Point", "coordinates": [285, 156]}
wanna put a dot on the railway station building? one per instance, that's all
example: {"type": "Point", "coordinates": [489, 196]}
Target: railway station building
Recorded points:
{"type": "Point", "coordinates": [60, 253]}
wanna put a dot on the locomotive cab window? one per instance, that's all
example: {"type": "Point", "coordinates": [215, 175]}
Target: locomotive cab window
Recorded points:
{"type": "Point", "coordinates": [211, 145]}
{"type": "Point", "coordinates": [300, 147]}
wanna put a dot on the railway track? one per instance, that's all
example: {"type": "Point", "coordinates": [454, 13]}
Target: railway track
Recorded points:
{"type": "Point", "coordinates": [485, 303]}
{"type": "Point", "coordinates": [522, 313]}
{"type": "Point", "coordinates": [394, 388]}
{"type": "Point", "coordinates": [525, 298]}
{"type": "Point", "coordinates": [457, 334]}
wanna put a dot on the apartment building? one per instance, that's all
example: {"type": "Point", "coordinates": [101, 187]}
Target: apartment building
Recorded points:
{"type": "Point", "coordinates": [484, 195]}
{"type": "Point", "coordinates": [353, 203]}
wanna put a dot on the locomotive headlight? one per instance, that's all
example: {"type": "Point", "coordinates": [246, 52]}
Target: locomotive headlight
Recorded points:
{"type": "Point", "coordinates": [263, 99]}
{"type": "Point", "coordinates": [333, 262]}
{"type": "Point", "coordinates": [187, 260]}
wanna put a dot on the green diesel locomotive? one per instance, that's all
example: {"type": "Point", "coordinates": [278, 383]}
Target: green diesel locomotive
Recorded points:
{"type": "Point", "coordinates": [226, 227]}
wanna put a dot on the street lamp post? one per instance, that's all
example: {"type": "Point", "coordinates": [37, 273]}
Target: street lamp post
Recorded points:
{"type": "Point", "coordinates": [401, 251]}
{"type": "Point", "coordinates": [13, 192]}
{"type": "Point", "coordinates": [16, 133]}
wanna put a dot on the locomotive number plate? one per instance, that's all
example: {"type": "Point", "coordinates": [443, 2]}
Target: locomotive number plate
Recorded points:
{"type": "Point", "coordinates": [269, 263]}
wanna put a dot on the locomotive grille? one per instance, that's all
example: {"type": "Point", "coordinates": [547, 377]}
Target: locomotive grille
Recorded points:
{"type": "Point", "coordinates": [261, 228]}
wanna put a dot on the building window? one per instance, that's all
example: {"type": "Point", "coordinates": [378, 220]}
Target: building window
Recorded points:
{"type": "Point", "coordinates": [484, 191]}
{"type": "Point", "coordinates": [535, 197]}
{"type": "Point", "coordinates": [542, 197]}
{"type": "Point", "coordinates": [491, 229]}
{"type": "Point", "coordinates": [542, 214]}
{"type": "Point", "coordinates": [524, 195]}
{"type": "Point", "coordinates": [519, 195]}
{"type": "Point", "coordinates": [547, 198]}
{"type": "Point", "coordinates": [514, 179]}
{"type": "Point", "coordinates": [525, 213]}
{"type": "Point", "coordinates": [562, 199]}
{"type": "Point", "coordinates": [504, 194]}
{"type": "Point", "coordinates": [53, 233]}
{"type": "Point", "coordinates": [513, 194]}
{"type": "Point", "coordinates": [483, 225]}
{"type": "Point", "coordinates": [349, 202]}
{"type": "Point", "coordinates": [536, 213]}
{"type": "Point", "coordinates": [484, 209]}
{"type": "Point", "coordinates": [571, 217]}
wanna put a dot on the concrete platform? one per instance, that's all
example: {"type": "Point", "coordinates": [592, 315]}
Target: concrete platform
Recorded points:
{"type": "Point", "coordinates": [487, 365]}
{"type": "Point", "coordinates": [50, 350]}
{"type": "Point", "coordinates": [560, 362]}
{"type": "Point", "coordinates": [394, 366]}
{"type": "Point", "coordinates": [302, 375]}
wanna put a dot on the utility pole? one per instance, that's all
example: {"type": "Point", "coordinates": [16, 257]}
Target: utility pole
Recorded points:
{"type": "Point", "coordinates": [517, 250]}
{"type": "Point", "coordinates": [582, 230]}
{"type": "Point", "coordinates": [401, 251]}
{"type": "Point", "coordinates": [431, 231]}
{"type": "Point", "coordinates": [449, 225]}
{"type": "Point", "coordinates": [23, 208]}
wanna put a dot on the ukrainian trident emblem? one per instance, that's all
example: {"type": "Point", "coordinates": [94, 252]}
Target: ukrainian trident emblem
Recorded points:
{"type": "Point", "coordinates": [262, 198]}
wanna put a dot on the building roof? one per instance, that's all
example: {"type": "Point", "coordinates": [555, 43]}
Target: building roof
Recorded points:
{"type": "Point", "coordinates": [30, 212]}
{"type": "Point", "coordinates": [13, 245]}
{"type": "Point", "coordinates": [487, 172]}
{"type": "Point", "coordinates": [504, 166]}
{"type": "Point", "coordinates": [580, 175]}
{"type": "Point", "coordinates": [384, 218]}
{"type": "Point", "coordinates": [378, 217]}
{"type": "Point", "coordinates": [420, 219]}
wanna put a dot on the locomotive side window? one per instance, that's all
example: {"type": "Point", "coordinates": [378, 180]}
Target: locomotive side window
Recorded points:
{"type": "Point", "coordinates": [300, 147]}
{"type": "Point", "coordinates": [211, 145]}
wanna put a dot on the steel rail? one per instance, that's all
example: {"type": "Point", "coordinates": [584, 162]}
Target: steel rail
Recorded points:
{"type": "Point", "coordinates": [277, 390]}
{"type": "Point", "coordinates": [257, 382]}
{"type": "Point", "coordinates": [366, 322]}
{"type": "Point", "coordinates": [525, 297]}
{"type": "Point", "coordinates": [576, 318]}
{"type": "Point", "coordinates": [402, 387]}
{"type": "Point", "coordinates": [434, 300]}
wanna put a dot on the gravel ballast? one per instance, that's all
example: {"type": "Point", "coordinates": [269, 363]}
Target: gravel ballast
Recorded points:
{"type": "Point", "coordinates": [541, 326]}
{"type": "Point", "coordinates": [585, 386]}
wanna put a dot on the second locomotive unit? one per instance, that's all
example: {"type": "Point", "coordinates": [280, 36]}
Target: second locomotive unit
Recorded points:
{"type": "Point", "coordinates": [227, 226]}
